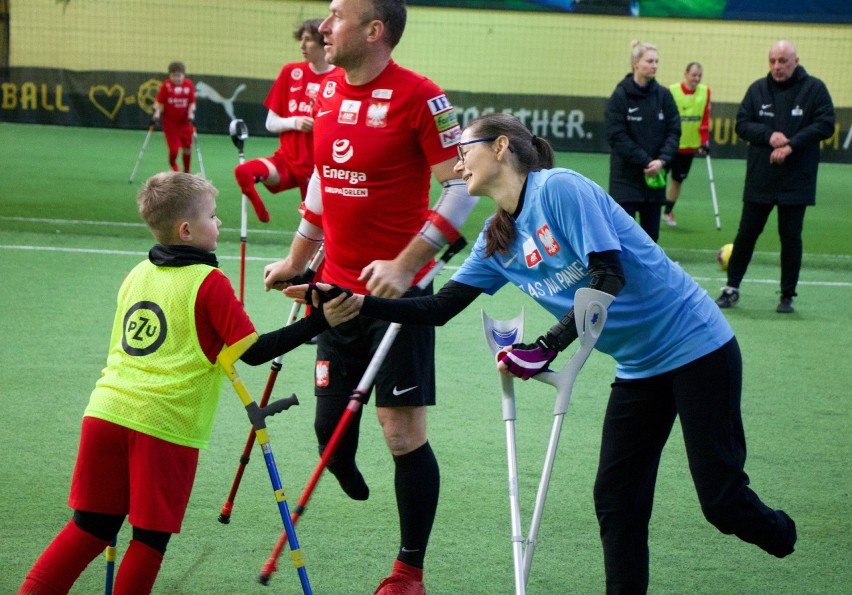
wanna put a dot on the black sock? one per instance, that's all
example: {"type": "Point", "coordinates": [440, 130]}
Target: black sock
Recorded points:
{"type": "Point", "coordinates": [417, 482]}
{"type": "Point", "coordinates": [669, 207]}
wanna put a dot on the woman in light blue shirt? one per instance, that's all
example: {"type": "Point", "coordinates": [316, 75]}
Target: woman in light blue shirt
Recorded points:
{"type": "Point", "coordinates": [554, 232]}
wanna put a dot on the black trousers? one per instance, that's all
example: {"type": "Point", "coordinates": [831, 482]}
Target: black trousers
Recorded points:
{"type": "Point", "coordinates": [649, 216]}
{"type": "Point", "coordinates": [705, 394]}
{"type": "Point", "coordinates": [791, 220]}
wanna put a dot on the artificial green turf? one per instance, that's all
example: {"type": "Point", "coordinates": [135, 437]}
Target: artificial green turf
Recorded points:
{"type": "Point", "coordinates": [58, 281]}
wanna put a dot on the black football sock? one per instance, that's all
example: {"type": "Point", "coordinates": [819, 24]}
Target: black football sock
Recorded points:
{"type": "Point", "coordinates": [417, 482]}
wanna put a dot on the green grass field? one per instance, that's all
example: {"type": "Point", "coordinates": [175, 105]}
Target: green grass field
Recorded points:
{"type": "Point", "coordinates": [69, 233]}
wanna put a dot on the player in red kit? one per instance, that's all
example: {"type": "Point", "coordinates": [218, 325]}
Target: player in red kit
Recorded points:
{"type": "Point", "coordinates": [289, 102]}
{"type": "Point", "coordinates": [380, 133]}
{"type": "Point", "coordinates": [174, 108]}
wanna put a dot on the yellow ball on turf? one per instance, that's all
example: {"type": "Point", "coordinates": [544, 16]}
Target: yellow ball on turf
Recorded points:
{"type": "Point", "coordinates": [724, 255]}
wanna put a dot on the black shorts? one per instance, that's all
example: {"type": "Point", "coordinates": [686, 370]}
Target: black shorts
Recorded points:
{"type": "Point", "coordinates": [681, 164]}
{"type": "Point", "coordinates": [405, 378]}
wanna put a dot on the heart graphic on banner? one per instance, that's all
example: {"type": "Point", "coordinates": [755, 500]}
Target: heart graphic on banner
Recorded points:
{"type": "Point", "coordinates": [107, 99]}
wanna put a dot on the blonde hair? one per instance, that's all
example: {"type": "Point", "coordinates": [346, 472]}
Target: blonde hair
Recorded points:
{"type": "Point", "coordinates": [167, 198]}
{"type": "Point", "coordinates": [638, 49]}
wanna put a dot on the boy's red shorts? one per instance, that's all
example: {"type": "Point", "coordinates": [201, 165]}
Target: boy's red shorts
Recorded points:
{"type": "Point", "coordinates": [122, 471]}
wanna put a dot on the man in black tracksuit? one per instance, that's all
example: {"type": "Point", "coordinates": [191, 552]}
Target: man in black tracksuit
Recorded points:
{"type": "Point", "coordinates": [642, 126]}
{"type": "Point", "coordinates": [783, 117]}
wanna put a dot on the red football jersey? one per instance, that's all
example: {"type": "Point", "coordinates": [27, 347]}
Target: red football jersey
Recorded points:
{"type": "Point", "coordinates": [176, 100]}
{"type": "Point", "coordinates": [374, 145]}
{"type": "Point", "coordinates": [293, 94]}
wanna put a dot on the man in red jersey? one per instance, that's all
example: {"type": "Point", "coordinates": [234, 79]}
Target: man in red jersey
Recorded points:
{"type": "Point", "coordinates": [379, 130]}
{"type": "Point", "coordinates": [175, 108]}
{"type": "Point", "coordinates": [289, 101]}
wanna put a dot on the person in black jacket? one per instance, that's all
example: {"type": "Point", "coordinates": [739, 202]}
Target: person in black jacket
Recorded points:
{"type": "Point", "coordinates": [783, 117]}
{"type": "Point", "coordinates": [643, 129]}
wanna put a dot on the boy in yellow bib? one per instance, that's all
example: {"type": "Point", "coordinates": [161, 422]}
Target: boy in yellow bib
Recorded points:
{"type": "Point", "coordinates": [153, 407]}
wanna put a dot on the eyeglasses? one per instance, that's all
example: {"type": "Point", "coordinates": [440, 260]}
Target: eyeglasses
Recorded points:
{"type": "Point", "coordinates": [471, 142]}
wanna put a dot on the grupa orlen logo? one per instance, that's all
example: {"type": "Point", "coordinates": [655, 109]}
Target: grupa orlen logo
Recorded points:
{"type": "Point", "coordinates": [341, 150]}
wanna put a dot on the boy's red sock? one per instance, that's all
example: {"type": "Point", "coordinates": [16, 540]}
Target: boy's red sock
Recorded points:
{"type": "Point", "coordinates": [187, 157]}
{"type": "Point", "coordinates": [138, 569]}
{"type": "Point", "coordinates": [62, 561]}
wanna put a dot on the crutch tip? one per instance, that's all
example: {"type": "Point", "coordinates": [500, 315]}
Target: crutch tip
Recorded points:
{"type": "Point", "coordinates": [263, 578]}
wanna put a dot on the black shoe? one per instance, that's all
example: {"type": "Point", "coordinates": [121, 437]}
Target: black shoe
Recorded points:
{"type": "Point", "coordinates": [785, 306]}
{"type": "Point", "coordinates": [729, 298]}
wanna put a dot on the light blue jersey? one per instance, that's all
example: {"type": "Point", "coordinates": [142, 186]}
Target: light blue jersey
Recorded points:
{"type": "Point", "coordinates": [661, 319]}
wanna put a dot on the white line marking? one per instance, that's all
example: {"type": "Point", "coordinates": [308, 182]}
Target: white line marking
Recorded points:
{"type": "Point", "coordinates": [128, 224]}
{"type": "Point", "coordinates": [829, 257]}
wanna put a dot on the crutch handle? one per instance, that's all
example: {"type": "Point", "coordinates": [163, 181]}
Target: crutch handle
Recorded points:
{"type": "Point", "coordinates": [279, 405]}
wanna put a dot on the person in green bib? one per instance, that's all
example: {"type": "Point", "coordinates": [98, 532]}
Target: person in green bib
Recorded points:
{"type": "Point", "coordinates": [693, 105]}
{"type": "Point", "coordinates": [152, 408]}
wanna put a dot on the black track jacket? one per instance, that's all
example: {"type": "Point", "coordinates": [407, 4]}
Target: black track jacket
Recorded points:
{"type": "Point", "coordinates": [642, 124]}
{"type": "Point", "coordinates": [802, 109]}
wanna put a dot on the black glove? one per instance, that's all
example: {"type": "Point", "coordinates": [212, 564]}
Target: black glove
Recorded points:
{"type": "Point", "coordinates": [192, 121]}
{"type": "Point", "coordinates": [155, 120]}
{"type": "Point", "coordinates": [704, 150]}
{"type": "Point", "coordinates": [325, 295]}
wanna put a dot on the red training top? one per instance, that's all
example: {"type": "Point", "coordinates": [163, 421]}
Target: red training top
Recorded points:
{"type": "Point", "coordinates": [293, 94]}
{"type": "Point", "coordinates": [374, 145]}
{"type": "Point", "coordinates": [176, 100]}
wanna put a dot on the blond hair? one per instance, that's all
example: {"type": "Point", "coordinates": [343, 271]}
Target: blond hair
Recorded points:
{"type": "Point", "coordinates": [638, 49]}
{"type": "Point", "coordinates": [167, 198]}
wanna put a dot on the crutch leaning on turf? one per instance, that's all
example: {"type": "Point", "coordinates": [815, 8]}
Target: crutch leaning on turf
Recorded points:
{"type": "Point", "coordinates": [590, 313]}
{"type": "Point", "coordinates": [713, 192]}
{"type": "Point", "coordinates": [198, 150]}
{"type": "Point", "coordinates": [227, 508]}
{"type": "Point", "coordinates": [141, 152]}
{"type": "Point", "coordinates": [359, 396]}
{"type": "Point", "coordinates": [227, 358]}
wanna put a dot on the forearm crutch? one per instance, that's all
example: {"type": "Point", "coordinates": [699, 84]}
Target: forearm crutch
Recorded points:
{"type": "Point", "coordinates": [500, 334]}
{"type": "Point", "coordinates": [713, 192]}
{"type": "Point", "coordinates": [277, 364]}
{"type": "Point", "coordinates": [590, 309]}
{"type": "Point", "coordinates": [359, 396]}
{"type": "Point", "coordinates": [109, 554]}
{"type": "Point", "coordinates": [239, 133]}
{"type": "Point", "coordinates": [257, 415]}
{"type": "Point", "coordinates": [198, 150]}
{"type": "Point", "coordinates": [141, 152]}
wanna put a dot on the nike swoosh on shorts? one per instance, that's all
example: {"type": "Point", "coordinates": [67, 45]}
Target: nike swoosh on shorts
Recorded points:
{"type": "Point", "coordinates": [397, 392]}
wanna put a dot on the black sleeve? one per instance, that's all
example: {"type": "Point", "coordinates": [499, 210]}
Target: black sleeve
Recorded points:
{"type": "Point", "coordinates": [607, 276]}
{"type": "Point", "coordinates": [271, 345]}
{"type": "Point", "coordinates": [430, 310]}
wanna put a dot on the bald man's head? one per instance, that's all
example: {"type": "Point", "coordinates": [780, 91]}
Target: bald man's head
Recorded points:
{"type": "Point", "coordinates": [783, 60]}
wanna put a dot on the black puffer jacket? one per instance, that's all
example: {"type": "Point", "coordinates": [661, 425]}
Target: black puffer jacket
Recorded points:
{"type": "Point", "coordinates": [642, 124]}
{"type": "Point", "coordinates": [802, 109]}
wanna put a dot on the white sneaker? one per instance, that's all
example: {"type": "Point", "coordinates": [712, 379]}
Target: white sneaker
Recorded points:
{"type": "Point", "coordinates": [669, 219]}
